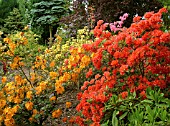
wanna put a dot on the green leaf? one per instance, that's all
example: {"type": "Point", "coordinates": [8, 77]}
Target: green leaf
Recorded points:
{"type": "Point", "coordinates": [114, 118]}
{"type": "Point", "coordinates": [147, 101]}
{"type": "Point", "coordinates": [106, 123]}
{"type": "Point", "coordinates": [163, 115]}
{"type": "Point", "coordinates": [123, 115]}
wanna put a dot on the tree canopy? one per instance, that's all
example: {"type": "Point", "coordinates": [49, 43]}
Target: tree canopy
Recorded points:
{"type": "Point", "coordinates": [47, 13]}
{"type": "Point", "coordinates": [6, 6]}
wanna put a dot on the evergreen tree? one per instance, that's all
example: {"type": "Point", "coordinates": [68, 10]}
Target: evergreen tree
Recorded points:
{"type": "Point", "coordinates": [47, 14]}
{"type": "Point", "coordinates": [6, 6]}
{"type": "Point", "coordinates": [14, 22]}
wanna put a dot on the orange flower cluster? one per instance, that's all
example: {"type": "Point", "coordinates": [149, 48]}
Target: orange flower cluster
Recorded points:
{"type": "Point", "coordinates": [137, 58]}
{"type": "Point", "coordinates": [40, 63]}
{"type": "Point", "coordinates": [12, 92]}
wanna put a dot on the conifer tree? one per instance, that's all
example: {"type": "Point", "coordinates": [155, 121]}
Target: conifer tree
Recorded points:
{"type": "Point", "coordinates": [14, 22]}
{"type": "Point", "coordinates": [47, 13]}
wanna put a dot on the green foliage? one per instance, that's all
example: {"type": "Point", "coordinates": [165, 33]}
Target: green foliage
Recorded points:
{"type": "Point", "coordinates": [14, 22]}
{"type": "Point", "coordinates": [6, 6]}
{"type": "Point", "coordinates": [47, 13]}
{"type": "Point", "coordinates": [31, 49]}
{"type": "Point", "coordinates": [133, 111]}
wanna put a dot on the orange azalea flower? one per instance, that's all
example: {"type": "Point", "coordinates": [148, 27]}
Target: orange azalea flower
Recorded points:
{"type": "Point", "coordinates": [57, 113]}
{"type": "Point", "coordinates": [64, 119]}
{"type": "Point", "coordinates": [2, 103]}
{"type": "Point", "coordinates": [4, 79]}
{"type": "Point", "coordinates": [60, 89]}
{"type": "Point", "coordinates": [17, 100]}
{"type": "Point", "coordinates": [29, 95]}
{"type": "Point", "coordinates": [33, 76]}
{"type": "Point", "coordinates": [31, 119]}
{"type": "Point", "coordinates": [53, 75]}
{"type": "Point", "coordinates": [38, 90]}
{"type": "Point", "coordinates": [53, 98]}
{"type": "Point", "coordinates": [59, 38]}
{"type": "Point", "coordinates": [15, 108]}
{"type": "Point", "coordinates": [52, 64]}
{"type": "Point", "coordinates": [29, 105]}
{"type": "Point", "coordinates": [68, 104]}
{"type": "Point", "coordinates": [34, 111]}
{"type": "Point", "coordinates": [66, 76]}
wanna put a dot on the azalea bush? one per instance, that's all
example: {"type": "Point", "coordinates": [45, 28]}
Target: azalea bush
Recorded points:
{"type": "Point", "coordinates": [117, 71]}
{"type": "Point", "coordinates": [131, 61]}
{"type": "Point", "coordinates": [30, 94]}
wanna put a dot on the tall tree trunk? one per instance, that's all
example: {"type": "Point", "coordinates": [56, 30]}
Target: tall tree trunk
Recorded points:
{"type": "Point", "coordinates": [50, 30]}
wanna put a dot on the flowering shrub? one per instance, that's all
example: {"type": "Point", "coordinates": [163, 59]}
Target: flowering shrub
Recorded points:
{"type": "Point", "coordinates": [135, 59]}
{"type": "Point", "coordinates": [119, 65]}
{"type": "Point", "coordinates": [30, 95]}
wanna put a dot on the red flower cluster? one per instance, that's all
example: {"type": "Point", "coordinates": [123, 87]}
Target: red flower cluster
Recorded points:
{"type": "Point", "coordinates": [138, 57]}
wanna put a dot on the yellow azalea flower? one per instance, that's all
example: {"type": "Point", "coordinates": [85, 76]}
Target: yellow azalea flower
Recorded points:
{"type": "Point", "coordinates": [3, 79]}
{"type": "Point", "coordinates": [29, 95]}
{"type": "Point", "coordinates": [12, 46]}
{"type": "Point", "coordinates": [68, 104]}
{"type": "Point", "coordinates": [52, 64]}
{"type": "Point", "coordinates": [10, 98]}
{"type": "Point", "coordinates": [29, 105]}
{"type": "Point", "coordinates": [77, 70]}
{"type": "Point", "coordinates": [9, 112]}
{"type": "Point", "coordinates": [53, 75]}
{"type": "Point", "coordinates": [2, 94]}
{"type": "Point", "coordinates": [57, 113]}
{"type": "Point", "coordinates": [26, 27]}
{"type": "Point", "coordinates": [7, 40]}
{"type": "Point", "coordinates": [43, 67]}
{"type": "Point", "coordinates": [53, 98]}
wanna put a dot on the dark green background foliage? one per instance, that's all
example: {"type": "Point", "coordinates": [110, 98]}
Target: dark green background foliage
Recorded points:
{"type": "Point", "coordinates": [6, 6]}
{"type": "Point", "coordinates": [111, 10]}
{"type": "Point", "coordinates": [14, 22]}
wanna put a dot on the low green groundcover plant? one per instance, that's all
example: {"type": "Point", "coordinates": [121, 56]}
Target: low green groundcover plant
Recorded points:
{"type": "Point", "coordinates": [132, 111]}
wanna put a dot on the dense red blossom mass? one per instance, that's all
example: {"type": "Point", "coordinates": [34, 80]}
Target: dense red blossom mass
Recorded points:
{"type": "Point", "coordinates": [138, 57]}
